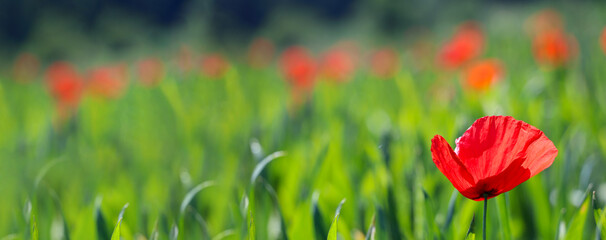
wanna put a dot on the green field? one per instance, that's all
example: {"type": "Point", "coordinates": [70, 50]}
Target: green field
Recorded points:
{"type": "Point", "coordinates": [234, 158]}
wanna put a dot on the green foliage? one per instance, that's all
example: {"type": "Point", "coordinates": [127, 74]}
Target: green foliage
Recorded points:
{"type": "Point", "coordinates": [201, 158]}
{"type": "Point", "coordinates": [332, 231]}
{"type": "Point", "coordinates": [116, 233]}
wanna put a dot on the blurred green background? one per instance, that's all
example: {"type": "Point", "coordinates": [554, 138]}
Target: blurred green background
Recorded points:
{"type": "Point", "coordinates": [192, 153]}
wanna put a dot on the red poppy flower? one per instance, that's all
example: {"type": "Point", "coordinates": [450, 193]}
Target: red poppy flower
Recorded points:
{"type": "Point", "coordinates": [150, 71]}
{"type": "Point", "coordinates": [493, 156]}
{"type": "Point", "coordinates": [466, 44]}
{"type": "Point", "coordinates": [384, 63]}
{"type": "Point", "coordinates": [554, 48]}
{"type": "Point", "coordinates": [483, 74]}
{"type": "Point", "coordinates": [299, 67]}
{"type": "Point", "coordinates": [603, 40]}
{"type": "Point", "coordinates": [108, 81]}
{"type": "Point", "coordinates": [261, 53]}
{"type": "Point", "coordinates": [214, 66]}
{"type": "Point", "coordinates": [25, 68]}
{"type": "Point", "coordinates": [64, 83]}
{"type": "Point", "coordinates": [338, 64]}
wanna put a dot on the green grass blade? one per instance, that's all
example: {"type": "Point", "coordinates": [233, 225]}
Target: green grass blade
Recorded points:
{"type": "Point", "coordinates": [192, 193]}
{"type": "Point", "coordinates": [187, 200]}
{"type": "Point", "coordinates": [432, 230]}
{"type": "Point", "coordinates": [33, 226]}
{"type": "Point", "coordinates": [154, 233]}
{"type": "Point", "coordinates": [471, 236]}
{"type": "Point", "coordinates": [44, 170]}
{"type": "Point", "coordinates": [318, 219]}
{"type": "Point", "coordinates": [101, 225]}
{"type": "Point", "coordinates": [274, 198]}
{"type": "Point", "coordinates": [577, 224]}
{"type": "Point", "coordinates": [450, 213]}
{"type": "Point", "coordinates": [174, 232]}
{"type": "Point", "coordinates": [252, 233]}
{"type": "Point", "coordinates": [503, 214]}
{"type": "Point", "coordinates": [471, 230]}
{"type": "Point", "coordinates": [116, 234]}
{"type": "Point", "coordinates": [600, 219]}
{"type": "Point", "coordinates": [224, 234]}
{"type": "Point", "coordinates": [370, 234]}
{"type": "Point", "coordinates": [261, 165]}
{"type": "Point", "coordinates": [332, 232]}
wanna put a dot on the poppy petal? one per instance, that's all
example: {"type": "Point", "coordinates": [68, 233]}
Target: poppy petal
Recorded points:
{"type": "Point", "coordinates": [496, 145]}
{"type": "Point", "coordinates": [450, 165]}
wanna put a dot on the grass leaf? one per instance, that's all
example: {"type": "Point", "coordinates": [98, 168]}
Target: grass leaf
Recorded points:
{"type": "Point", "coordinates": [251, 227]}
{"type": "Point", "coordinates": [192, 193]}
{"type": "Point", "coordinates": [261, 165]}
{"type": "Point", "coordinates": [318, 219]}
{"type": "Point", "coordinates": [370, 234]}
{"type": "Point", "coordinates": [503, 214]}
{"type": "Point", "coordinates": [600, 219]}
{"type": "Point", "coordinates": [471, 231]}
{"type": "Point", "coordinates": [33, 226]}
{"type": "Point", "coordinates": [100, 223]}
{"type": "Point", "coordinates": [224, 234]}
{"type": "Point", "coordinates": [332, 232]}
{"type": "Point", "coordinates": [116, 234]}
{"type": "Point", "coordinates": [174, 232]}
{"type": "Point", "coordinates": [274, 198]}
{"type": "Point", "coordinates": [45, 170]}
{"type": "Point", "coordinates": [577, 224]}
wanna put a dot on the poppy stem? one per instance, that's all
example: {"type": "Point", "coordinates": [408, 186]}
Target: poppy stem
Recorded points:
{"type": "Point", "coordinates": [484, 223]}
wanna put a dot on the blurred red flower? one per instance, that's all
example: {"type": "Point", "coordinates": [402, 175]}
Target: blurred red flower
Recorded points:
{"type": "Point", "coordinates": [542, 21]}
{"type": "Point", "coordinates": [214, 66]}
{"type": "Point", "coordinates": [299, 68]}
{"type": "Point", "coordinates": [261, 53]}
{"type": "Point", "coordinates": [25, 68]}
{"type": "Point", "coordinates": [554, 48]}
{"type": "Point", "coordinates": [493, 156]}
{"type": "Point", "coordinates": [338, 64]}
{"type": "Point", "coordinates": [603, 40]}
{"type": "Point", "coordinates": [108, 81]}
{"type": "Point", "coordinates": [150, 71]}
{"type": "Point", "coordinates": [483, 74]}
{"type": "Point", "coordinates": [466, 44]}
{"type": "Point", "coordinates": [64, 83]}
{"type": "Point", "coordinates": [384, 62]}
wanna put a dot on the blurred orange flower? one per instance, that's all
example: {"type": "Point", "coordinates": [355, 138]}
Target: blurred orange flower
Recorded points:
{"type": "Point", "coordinates": [299, 67]}
{"type": "Point", "coordinates": [214, 66]}
{"type": "Point", "coordinates": [25, 68]}
{"type": "Point", "coordinates": [108, 81]}
{"type": "Point", "coordinates": [384, 62]}
{"type": "Point", "coordinates": [150, 71]}
{"type": "Point", "coordinates": [483, 74]}
{"type": "Point", "coordinates": [603, 40]}
{"type": "Point", "coordinates": [338, 64]}
{"type": "Point", "coordinates": [260, 53]}
{"type": "Point", "coordinates": [554, 48]}
{"type": "Point", "coordinates": [542, 21]}
{"type": "Point", "coordinates": [467, 43]}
